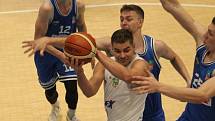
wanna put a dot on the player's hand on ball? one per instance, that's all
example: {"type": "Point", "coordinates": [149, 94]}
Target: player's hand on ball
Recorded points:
{"type": "Point", "coordinates": [81, 46]}
{"type": "Point", "coordinates": [74, 63]}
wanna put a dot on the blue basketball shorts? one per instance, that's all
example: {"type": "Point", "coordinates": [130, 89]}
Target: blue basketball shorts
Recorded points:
{"type": "Point", "coordinates": [50, 70]}
{"type": "Point", "coordinates": [159, 116]}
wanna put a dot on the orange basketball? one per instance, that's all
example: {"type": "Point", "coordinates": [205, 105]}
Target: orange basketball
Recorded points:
{"type": "Point", "coordinates": [80, 45]}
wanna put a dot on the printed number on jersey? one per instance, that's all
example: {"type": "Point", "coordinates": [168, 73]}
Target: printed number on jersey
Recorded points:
{"type": "Point", "coordinates": [64, 29]}
{"type": "Point", "coordinates": [68, 68]}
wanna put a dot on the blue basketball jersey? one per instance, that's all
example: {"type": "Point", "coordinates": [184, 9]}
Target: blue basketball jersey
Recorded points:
{"type": "Point", "coordinates": [153, 106]}
{"type": "Point", "coordinates": [62, 25]}
{"type": "Point", "coordinates": [201, 73]}
{"type": "Point", "coordinates": [49, 68]}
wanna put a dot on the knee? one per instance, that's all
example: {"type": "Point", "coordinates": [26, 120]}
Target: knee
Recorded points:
{"type": "Point", "coordinates": [51, 95]}
{"type": "Point", "coordinates": [71, 86]}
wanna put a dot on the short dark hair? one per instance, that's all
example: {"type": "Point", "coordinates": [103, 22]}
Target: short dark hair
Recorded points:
{"type": "Point", "coordinates": [213, 20]}
{"type": "Point", "coordinates": [133, 7]}
{"type": "Point", "coordinates": [122, 36]}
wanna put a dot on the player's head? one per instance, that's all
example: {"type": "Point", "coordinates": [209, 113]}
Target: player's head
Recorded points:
{"type": "Point", "coordinates": [131, 17]}
{"type": "Point", "coordinates": [209, 40]}
{"type": "Point", "coordinates": [123, 47]}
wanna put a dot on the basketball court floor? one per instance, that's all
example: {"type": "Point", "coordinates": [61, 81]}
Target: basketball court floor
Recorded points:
{"type": "Point", "coordinates": [22, 98]}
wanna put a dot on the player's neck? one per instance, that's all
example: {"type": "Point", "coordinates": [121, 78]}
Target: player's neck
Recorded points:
{"type": "Point", "coordinates": [138, 41]}
{"type": "Point", "coordinates": [64, 6]}
{"type": "Point", "coordinates": [64, 2]}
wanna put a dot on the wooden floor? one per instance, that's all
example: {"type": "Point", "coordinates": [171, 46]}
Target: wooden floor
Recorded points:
{"type": "Point", "coordinates": [22, 98]}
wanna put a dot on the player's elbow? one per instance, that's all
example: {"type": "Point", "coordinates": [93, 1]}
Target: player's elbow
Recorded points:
{"type": "Point", "coordinates": [88, 92]}
{"type": "Point", "coordinates": [202, 98]}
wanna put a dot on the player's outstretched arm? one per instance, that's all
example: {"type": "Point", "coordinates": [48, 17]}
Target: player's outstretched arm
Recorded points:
{"type": "Point", "coordinates": [164, 51]}
{"type": "Point", "coordinates": [199, 95]}
{"type": "Point", "coordinates": [41, 44]}
{"type": "Point", "coordinates": [185, 19]}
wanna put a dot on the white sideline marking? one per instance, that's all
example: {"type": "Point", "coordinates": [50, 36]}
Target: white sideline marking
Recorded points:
{"type": "Point", "coordinates": [109, 5]}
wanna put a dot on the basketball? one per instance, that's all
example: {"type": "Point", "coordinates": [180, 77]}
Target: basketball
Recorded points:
{"type": "Point", "coordinates": [81, 46]}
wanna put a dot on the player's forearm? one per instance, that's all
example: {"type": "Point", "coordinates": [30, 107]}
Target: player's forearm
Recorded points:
{"type": "Point", "coordinates": [175, 8]}
{"type": "Point", "coordinates": [178, 64]}
{"type": "Point", "coordinates": [57, 41]}
{"type": "Point", "coordinates": [183, 94]}
{"type": "Point", "coordinates": [103, 43]}
{"type": "Point", "coordinates": [115, 68]}
{"type": "Point", "coordinates": [55, 52]}
{"type": "Point", "coordinates": [184, 19]}
{"type": "Point", "coordinates": [85, 85]}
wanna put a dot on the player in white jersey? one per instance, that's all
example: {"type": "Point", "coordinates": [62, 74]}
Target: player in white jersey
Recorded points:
{"type": "Point", "coordinates": [120, 103]}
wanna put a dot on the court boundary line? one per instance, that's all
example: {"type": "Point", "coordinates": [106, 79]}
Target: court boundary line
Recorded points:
{"type": "Point", "coordinates": [110, 5]}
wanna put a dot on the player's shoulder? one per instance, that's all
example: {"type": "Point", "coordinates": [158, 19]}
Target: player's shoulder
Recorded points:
{"type": "Point", "coordinates": [159, 44]}
{"type": "Point", "coordinates": [141, 64]}
{"type": "Point", "coordinates": [139, 60]}
{"type": "Point", "coordinates": [46, 6]}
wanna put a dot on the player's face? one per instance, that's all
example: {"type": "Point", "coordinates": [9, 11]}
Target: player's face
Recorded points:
{"type": "Point", "coordinates": [131, 21]}
{"type": "Point", "coordinates": [123, 52]}
{"type": "Point", "coordinates": [209, 40]}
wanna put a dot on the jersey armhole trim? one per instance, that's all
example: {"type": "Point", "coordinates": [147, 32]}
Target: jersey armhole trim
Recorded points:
{"type": "Point", "coordinates": [155, 54]}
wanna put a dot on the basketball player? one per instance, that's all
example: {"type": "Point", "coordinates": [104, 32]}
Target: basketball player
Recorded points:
{"type": "Point", "coordinates": [204, 65]}
{"type": "Point", "coordinates": [120, 103]}
{"type": "Point", "coordinates": [202, 88]}
{"type": "Point", "coordinates": [58, 18]}
{"type": "Point", "coordinates": [132, 18]}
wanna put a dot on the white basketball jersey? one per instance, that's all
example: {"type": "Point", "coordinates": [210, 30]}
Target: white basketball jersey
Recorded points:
{"type": "Point", "coordinates": [120, 103]}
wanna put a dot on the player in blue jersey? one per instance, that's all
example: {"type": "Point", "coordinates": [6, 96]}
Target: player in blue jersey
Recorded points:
{"type": "Point", "coordinates": [58, 18]}
{"type": "Point", "coordinates": [132, 18]}
{"type": "Point", "coordinates": [204, 61]}
{"type": "Point", "coordinates": [202, 86]}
